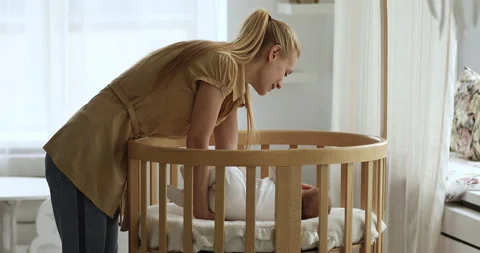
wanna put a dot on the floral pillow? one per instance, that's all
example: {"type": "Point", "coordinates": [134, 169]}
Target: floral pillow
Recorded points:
{"type": "Point", "coordinates": [465, 135]}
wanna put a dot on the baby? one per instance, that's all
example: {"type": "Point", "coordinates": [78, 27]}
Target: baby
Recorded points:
{"type": "Point", "coordinates": [310, 199]}
{"type": "Point", "coordinates": [236, 196]}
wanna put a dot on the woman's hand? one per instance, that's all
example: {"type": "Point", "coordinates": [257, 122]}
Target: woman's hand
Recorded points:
{"type": "Point", "coordinates": [306, 186]}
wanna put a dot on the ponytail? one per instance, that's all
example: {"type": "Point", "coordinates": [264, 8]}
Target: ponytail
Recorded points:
{"type": "Point", "coordinates": [245, 48]}
{"type": "Point", "coordinates": [258, 32]}
{"type": "Point", "coordinates": [251, 37]}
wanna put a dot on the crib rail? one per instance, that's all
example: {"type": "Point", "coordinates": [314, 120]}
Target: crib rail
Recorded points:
{"type": "Point", "coordinates": [152, 158]}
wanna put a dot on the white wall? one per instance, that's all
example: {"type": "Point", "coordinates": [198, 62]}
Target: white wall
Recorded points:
{"type": "Point", "coordinates": [469, 49]}
{"type": "Point", "coordinates": [296, 106]}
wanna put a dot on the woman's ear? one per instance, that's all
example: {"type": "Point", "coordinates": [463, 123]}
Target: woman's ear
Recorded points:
{"type": "Point", "coordinates": [274, 52]}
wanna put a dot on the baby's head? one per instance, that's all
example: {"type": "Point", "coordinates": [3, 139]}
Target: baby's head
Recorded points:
{"type": "Point", "coordinates": [310, 198]}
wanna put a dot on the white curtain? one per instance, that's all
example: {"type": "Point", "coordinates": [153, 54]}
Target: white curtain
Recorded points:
{"type": "Point", "coordinates": [55, 55]}
{"type": "Point", "coordinates": [421, 75]}
{"type": "Point", "coordinates": [356, 78]}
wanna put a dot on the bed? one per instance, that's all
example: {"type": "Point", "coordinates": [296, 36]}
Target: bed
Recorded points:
{"type": "Point", "coordinates": [461, 216]}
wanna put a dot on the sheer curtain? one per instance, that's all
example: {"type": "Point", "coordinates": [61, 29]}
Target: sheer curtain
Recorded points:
{"type": "Point", "coordinates": [421, 67]}
{"type": "Point", "coordinates": [55, 55]}
{"type": "Point", "coordinates": [422, 73]}
{"type": "Point", "coordinates": [356, 78]}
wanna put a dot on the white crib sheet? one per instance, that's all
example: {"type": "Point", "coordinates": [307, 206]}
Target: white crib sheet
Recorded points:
{"type": "Point", "coordinates": [203, 231]}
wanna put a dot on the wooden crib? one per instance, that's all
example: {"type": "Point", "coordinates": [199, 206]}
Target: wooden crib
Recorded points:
{"type": "Point", "coordinates": [327, 148]}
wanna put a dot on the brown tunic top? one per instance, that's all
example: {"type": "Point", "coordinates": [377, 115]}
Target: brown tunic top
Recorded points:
{"type": "Point", "coordinates": [91, 148]}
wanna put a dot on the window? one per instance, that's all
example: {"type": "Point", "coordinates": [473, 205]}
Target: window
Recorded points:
{"type": "Point", "coordinates": [56, 55]}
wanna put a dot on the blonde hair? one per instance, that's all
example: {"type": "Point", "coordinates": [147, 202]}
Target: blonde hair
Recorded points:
{"type": "Point", "coordinates": [259, 31]}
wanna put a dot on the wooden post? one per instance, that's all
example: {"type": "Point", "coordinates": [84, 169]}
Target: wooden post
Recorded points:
{"type": "Point", "coordinates": [288, 209]}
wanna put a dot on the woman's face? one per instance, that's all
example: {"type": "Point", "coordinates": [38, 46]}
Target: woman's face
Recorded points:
{"type": "Point", "coordinates": [272, 69]}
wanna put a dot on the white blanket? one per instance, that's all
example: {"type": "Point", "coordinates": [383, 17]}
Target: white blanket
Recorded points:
{"type": "Point", "coordinates": [203, 231]}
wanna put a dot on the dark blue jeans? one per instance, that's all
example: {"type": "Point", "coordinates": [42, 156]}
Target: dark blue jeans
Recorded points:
{"type": "Point", "coordinates": [83, 228]}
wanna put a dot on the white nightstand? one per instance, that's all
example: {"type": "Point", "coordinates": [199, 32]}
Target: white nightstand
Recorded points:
{"type": "Point", "coordinates": [13, 190]}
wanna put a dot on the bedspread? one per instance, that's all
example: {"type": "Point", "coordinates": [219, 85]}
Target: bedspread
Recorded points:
{"type": "Point", "coordinates": [462, 175]}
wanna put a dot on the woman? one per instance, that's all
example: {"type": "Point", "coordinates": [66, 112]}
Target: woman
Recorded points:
{"type": "Point", "coordinates": [191, 89]}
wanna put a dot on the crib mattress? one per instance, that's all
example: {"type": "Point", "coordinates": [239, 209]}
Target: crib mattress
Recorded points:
{"type": "Point", "coordinates": [203, 231]}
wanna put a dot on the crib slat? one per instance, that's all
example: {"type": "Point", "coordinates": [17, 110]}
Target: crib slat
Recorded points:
{"type": "Point", "coordinates": [139, 192]}
{"type": "Point", "coordinates": [366, 204]}
{"type": "Point", "coordinates": [322, 184]}
{"type": "Point", "coordinates": [188, 209]}
{"type": "Point", "coordinates": [384, 182]}
{"type": "Point", "coordinates": [133, 184]}
{"type": "Point", "coordinates": [385, 172]}
{"type": "Point", "coordinates": [379, 244]}
{"type": "Point", "coordinates": [219, 209]}
{"type": "Point", "coordinates": [264, 171]}
{"type": "Point", "coordinates": [162, 207]}
{"type": "Point", "coordinates": [153, 183]}
{"type": "Point", "coordinates": [288, 209]}
{"type": "Point", "coordinates": [343, 185]}
{"type": "Point", "coordinates": [376, 166]}
{"type": "Point", "coordinates": [143, 201]}
{"type": "Point", "coordinates": [328, 183]}
{"type": "Point", "coordinates": [250, 221]}
{"type": "Point", "coordinates": [347, 199]}
{"type": "Point", "coordinates": [384, 190]}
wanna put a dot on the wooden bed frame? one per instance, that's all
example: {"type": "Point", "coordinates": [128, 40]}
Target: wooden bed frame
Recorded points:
{"type": "Point", "coordinates": [328, 148]}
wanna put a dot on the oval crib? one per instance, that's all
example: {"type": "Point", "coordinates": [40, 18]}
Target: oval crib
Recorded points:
{"type": "Point", "coordinates": [154, 160]}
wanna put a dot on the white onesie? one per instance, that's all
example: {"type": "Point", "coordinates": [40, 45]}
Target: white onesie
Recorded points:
{"type": "Point", "coordinates": [236, 196]}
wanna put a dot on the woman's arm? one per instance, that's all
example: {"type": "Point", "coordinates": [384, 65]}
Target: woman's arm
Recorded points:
{"type": "Point", "coordinates": [226, 134]}
{"type": "Point", "coordinates": [204, 116]}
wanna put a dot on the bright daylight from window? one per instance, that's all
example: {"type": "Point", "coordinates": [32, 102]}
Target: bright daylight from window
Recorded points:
{"type": "Point", "coordinates": [56, 55]}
